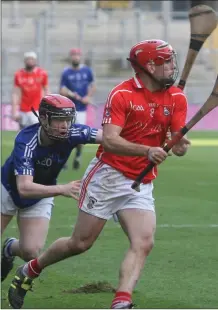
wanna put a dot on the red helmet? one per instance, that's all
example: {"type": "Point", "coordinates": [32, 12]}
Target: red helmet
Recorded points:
{"type": "Point", "coordinates": [152, 51]}
{"type": "Point", "coordinates": [56, 106]}
{"type": "Point", "coordinates": [75, 51]}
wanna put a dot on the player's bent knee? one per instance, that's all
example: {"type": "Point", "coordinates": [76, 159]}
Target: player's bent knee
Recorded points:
{"type": "Point", "coordinates": [143, 246]}
{"type": "Point", "coordinates": [79, 245]}
{"type": "Point", "coordinates": [29, 253]}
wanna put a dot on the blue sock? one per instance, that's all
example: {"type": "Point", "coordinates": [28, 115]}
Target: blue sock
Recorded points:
{"type": "Point", "coordinates": [7, 250]}
{"type": "Point", "coordinates": [78, 152]}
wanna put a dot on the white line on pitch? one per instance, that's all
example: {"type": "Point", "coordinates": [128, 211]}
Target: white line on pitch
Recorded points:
{"type": "Point", "coordinates": [187, 226]}
{"type": "Point", "coordinates": [158, 226]}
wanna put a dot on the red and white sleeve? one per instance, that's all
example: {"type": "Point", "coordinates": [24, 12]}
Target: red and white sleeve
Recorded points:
{"type": "Point", "coordinates": [179, 112]}
{"type": "Point", "coordinates": [115, 110]}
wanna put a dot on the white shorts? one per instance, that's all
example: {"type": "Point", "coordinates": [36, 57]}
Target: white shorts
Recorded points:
{"type": "Point", "coordinates": [28, 118]}
{"type": "Point", "coordinates": [43, 208]}
{"type": "Point", "coordinates": [104, 191]}
{"type": "Point", "coordinates": [81, 117]}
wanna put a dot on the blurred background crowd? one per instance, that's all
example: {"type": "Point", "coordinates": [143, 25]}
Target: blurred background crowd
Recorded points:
{"type": "Point", "coordinates": [103, 31]}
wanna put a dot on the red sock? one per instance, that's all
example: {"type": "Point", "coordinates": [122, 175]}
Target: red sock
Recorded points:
{"type": "Point", "coordinates": [34, 269]}
{"type": "Point", "coordinates": [121, 297]}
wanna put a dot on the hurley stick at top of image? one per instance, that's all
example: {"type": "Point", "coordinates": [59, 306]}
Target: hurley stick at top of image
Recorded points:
{"type": "Point", "coordinates": [203, 21]}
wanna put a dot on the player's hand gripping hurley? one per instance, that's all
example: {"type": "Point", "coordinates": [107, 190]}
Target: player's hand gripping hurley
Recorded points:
{"type": "Point", "coordinates": [203, 21]}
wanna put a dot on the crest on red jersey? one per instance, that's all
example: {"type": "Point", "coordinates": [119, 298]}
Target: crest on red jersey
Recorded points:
{"type": "Point", "coordinates": [107, 112]}
{"type": "Point", "coordinates": [166, 111]}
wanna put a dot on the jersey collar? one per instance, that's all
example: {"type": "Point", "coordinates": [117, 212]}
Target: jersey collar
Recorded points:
{"type": "Point", "coordinates": [137, 82]}
{"type": "Point", "coordinates": [79, 68]}
{"type": "Point", "coordinates": [33, 71]}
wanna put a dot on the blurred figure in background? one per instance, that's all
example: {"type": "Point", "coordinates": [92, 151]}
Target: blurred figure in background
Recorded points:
{"type": "Point", "coordinates": [77, 83]}
{"type": "Point", "coordinates": [30, 85]}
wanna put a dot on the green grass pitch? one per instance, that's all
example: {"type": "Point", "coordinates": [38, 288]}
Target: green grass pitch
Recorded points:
{"type": "Point", "coordinates": [181, 271]}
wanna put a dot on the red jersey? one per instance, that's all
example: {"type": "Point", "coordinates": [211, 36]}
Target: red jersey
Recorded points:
{"type": "Point", "coordinates": [145, 118]}
{"type": "Point", "coordinates": [31, 85]}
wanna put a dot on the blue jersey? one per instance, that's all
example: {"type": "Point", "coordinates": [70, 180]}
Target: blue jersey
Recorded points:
{"type": "Point", "coordinates": [78, 80]}
{"type": "Point", "coordinates": [43, 163]}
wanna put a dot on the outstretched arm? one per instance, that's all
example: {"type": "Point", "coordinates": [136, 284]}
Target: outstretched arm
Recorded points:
{"type": "Point", "coordinates": [28, 189]}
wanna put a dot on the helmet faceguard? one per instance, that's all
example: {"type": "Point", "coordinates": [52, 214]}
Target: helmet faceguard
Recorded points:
{"type": "Point", "coordinates": [157, 53]}
{"type": "Point", "coordinates": [57, 109]}
{"type": "Point", "coordinates": [167, 81]}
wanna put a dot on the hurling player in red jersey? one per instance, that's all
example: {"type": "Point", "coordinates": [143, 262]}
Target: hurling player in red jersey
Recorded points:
{"type": "Point", "coordinates": [30, 85]}
{"type": "Point", "coordinates": [137, 116]}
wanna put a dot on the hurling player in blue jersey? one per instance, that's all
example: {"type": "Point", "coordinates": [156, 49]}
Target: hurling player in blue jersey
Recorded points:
{"type": "Point", "coordinates": [77, 83]}
{"type": "Point", "coordinates": [30, 173]}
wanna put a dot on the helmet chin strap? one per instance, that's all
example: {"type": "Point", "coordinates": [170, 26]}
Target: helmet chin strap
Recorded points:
{"type": "Point", "coordinates": [45, 131]}
{"type": "Point", "coordinates": [34, 112]}
{"type": "Point", "coordinates": [164, 83]}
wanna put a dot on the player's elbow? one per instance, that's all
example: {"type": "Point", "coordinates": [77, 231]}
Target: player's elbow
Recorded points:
{"type": "Point", "coordinates": [108, 143]}
{"type": "Point", "coordinates": [62, 92]}
{"type": "Point", "coordinates": [23, 189]}
{"type": "Point", "coordinates": [15, 99]}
